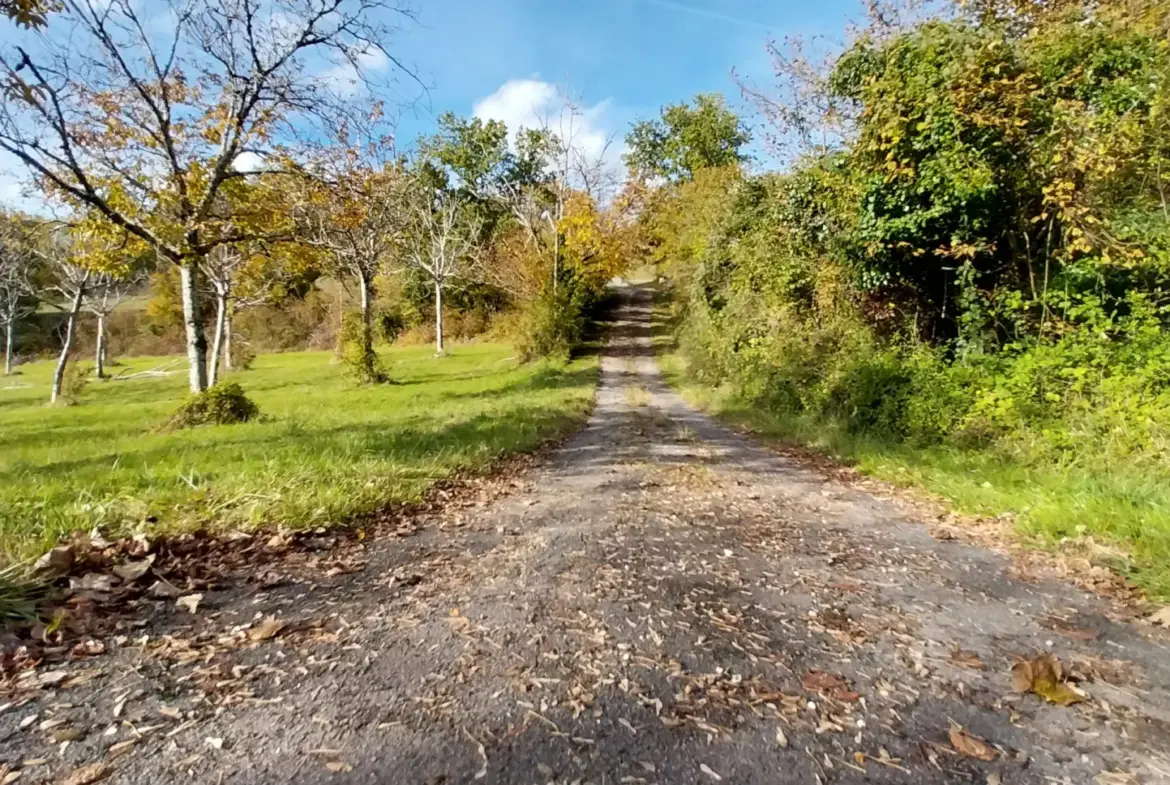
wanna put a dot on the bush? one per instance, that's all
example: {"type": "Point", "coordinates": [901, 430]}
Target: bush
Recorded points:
{"type": "Point", "coordinates": [223, 404]}
{"type": "Point", "coordinates": [391, 324]}
{"type": "Point", "coordinates": [356, 351]}
{"type": "Point", "coordinates": [74, 381]}
{"type": "Point", "coordinates": [550, 327]}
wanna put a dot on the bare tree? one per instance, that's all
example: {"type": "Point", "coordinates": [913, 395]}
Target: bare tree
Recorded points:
{"type": "Point", "coordinates": [16, 288]}
{"type": "Point", "coordinates": [106, 292]}
{"type": "Point", "coordinates": [148, 129]}
{"type": "Point", "coordinates": [441, 241]}
{"type": "Point", "coordinates": [72, 282]}
{"type": "Point", "coordinates": [238, 280]}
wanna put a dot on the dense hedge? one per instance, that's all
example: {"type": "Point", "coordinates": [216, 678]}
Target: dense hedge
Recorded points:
{"type": "Point", "coordinates": [984, 258]}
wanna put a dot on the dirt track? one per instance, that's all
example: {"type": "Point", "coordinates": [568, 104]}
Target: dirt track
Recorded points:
{"type": "Point", "coordinates": [661, 601]}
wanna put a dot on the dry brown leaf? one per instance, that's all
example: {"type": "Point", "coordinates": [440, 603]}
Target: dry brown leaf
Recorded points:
{"type": "Point", "coordinates": [269, 628]}
{"type": "Point", "coordinates": [966, 659]}
{"type": "Point", "coordinates": [970, 745]}
{"type": "Point", "coordinates": [87, 775]}
{"type": "Point", "coordinates": [164, 590]}
{"type": "Point", "coordinates": [1044, 676]}
{"type": "Point", "coordinates": [829, 684]}
{"type": "Point", "coordinates": [131, 571]}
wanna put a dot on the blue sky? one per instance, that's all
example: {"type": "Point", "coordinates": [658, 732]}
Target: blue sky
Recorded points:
{"type": "Point", "coordinates": [622, 58]}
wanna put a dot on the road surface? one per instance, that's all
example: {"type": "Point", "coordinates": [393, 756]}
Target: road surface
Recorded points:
{"type": "Point", "coordinates": [660, 601]}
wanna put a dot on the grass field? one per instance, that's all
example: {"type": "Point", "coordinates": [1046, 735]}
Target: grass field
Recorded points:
{"type": "Point", "coordinates": [323, 451]}
{"type": "Point", "coordinates": [1128, 506]}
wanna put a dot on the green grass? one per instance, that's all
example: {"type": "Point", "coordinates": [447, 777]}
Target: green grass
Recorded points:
{"type": "Point", "coordinates": [324, 450]}
{"type": "Point", "coordinates": [1128, 506]}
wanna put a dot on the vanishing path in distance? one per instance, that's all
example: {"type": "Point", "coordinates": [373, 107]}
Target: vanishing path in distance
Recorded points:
{"type": "Point", "coordinates": [661, 601]}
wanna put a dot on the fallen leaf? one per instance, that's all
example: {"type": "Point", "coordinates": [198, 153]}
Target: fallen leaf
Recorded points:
{"type": "Point", "coordinates": [11, 776]}
{"type": "Point", "coordinates": [829, 684]}
{"type": "Point", "coordinates": [337, 765]}
{"type": "Point", "coordinates": [87, 775]}
{"type": "Point", "coordinates": [88, 648]}
{"type": "Point", "coordinates": [120, 747]}
{"type": "Point", "coordinates": [703, 767]}
{"type": "Point", "coordinates": [970, 745]}
{"type": "Point", "coordinates": [269, 628]}
{"type": "Point", "coordinates": [57, 561]}
{"type": "Point", "coordinates": [163, 590]}
{"type": "Point", "coordinates": [189, 602]}
{"type": "Point", "coordinates": [1044, 676]}
{"type": "Point", "coordinates": [92, 581]}
{"type": "Point", "coordinates": [131, 571]}
{"type": "Point", "coordinates": [966, 659]}
{"type": "Point", "coordinates": [214, 742]}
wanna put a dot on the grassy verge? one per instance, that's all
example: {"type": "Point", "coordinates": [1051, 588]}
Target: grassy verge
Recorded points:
{"type": "Point", "coordinates": [323, 451]}
{"type": "Point", "coordinates": [1128, 506]}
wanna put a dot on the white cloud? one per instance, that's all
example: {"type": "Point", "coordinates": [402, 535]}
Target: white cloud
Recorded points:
{"type": "Point", "coordinates": [531, 103]}
{"type": "Point", "coordinates": [248, 161]}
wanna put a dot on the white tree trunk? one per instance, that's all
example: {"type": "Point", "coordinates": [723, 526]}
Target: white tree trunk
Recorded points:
{"type": "Point", "coordinates": [221, 308]}
{"type": "Point", "coordinates": [99, 354]}
{"type": "Point", "coordinates": [67, 345]}
{"type": "Point", "coordinates": [227, 340]}
{"type": "Point", "coordinates": [438, 317]}
{"type": "Point", "coordinates": [364, 285]}
{"type": "Point", "coordinates": [192, 320]}
{"type": "Point", "coordinates": [9, 330]}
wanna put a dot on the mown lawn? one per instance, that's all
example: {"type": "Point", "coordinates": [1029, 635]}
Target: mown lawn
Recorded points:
{"type": "Point", "coordinates": [1127, 506]}
{"type": "Point", "coordinates": [324, 450]}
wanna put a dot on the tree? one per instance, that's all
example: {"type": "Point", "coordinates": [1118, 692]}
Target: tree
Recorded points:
{"type": "Point", "coordinates": [441, 242]}
{"type": "Point", "coordinates": [28, 13]}
{"type": "Point", "coordinates": [72, 281]}
{"type": "Point", "coordinates": [17, 261]}
{"type": "Point", "coordinates": [152, 132]}
{"type": "Point", "coordinates": [354, 218]}
{"type": "Point", "coordinates": [686, 139]}
{"type": "Point", "coordinates": [106, 291]}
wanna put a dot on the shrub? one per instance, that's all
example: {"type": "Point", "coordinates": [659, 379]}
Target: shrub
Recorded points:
{"type": "Point", "coordinates": [356, 351]}
{"type": "Point", "coordinates": [550, 327]}
{"type": "Point", "coordinates": [223, 404]}
{"type": "Point", "coordinates": [74, 382]}
{"type": "Point", "coordinates": [391, 324]}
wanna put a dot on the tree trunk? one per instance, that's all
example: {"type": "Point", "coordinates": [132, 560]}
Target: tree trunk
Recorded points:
{"type": "Point", "coordinates": [366, 286]}
{"type": "Point", "coordinates": [99, 354]}
{"type": "Point", "coordinates": [438, 318]}
{"type": "Point", "coordinates": [8, 338]}
{"type": "Point", "coordinates": [193, 321]}
{"type": "Point", "coordinates": [227, 340]}
{"type": "Point", "coordinates": [221, 307]}
{"type": "Point", "coordinates": [67, 345]}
